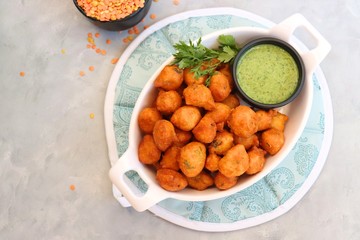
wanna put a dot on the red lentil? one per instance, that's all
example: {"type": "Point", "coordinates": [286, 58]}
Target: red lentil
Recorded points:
{"type": "Point", "coordinates": [109, 10]}
{"type": "Point", "coordinates": [114, 60]}
{"type": "Point", "coordinates": [108, 41]}
{"type": "Point", "coordinates": [97, 35]}
{"type": "Point", "coordinates": [91, 68]}
{"type": "Point", "coordinates": [153, 16]}
{"type": "Point", "coordinates": [22, 74]}
{"type": "Point", "coordinates": [72, 187]}
{"type": "Point", "coordinates": [82, 73]}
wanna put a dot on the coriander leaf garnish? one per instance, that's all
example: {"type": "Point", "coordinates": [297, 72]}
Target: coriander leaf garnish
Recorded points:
{"type": "Point", "coordinates": [228, 48]}
{"type": "Point", "coordinates": [227, 40]}
{"type": "Point", "coordinates": [193, 54]}
{"type": "Point", "coordinates": [227, 54]}
{"type": "Point", "coordinates": [200, 59]}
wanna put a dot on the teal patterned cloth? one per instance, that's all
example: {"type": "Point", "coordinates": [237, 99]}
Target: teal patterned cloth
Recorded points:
{"type": "Point", "coordinates": [262, 197]}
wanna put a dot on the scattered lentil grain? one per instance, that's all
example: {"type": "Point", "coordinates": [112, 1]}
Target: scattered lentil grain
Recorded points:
{"type": "Point", "coordinates": [114, 60]}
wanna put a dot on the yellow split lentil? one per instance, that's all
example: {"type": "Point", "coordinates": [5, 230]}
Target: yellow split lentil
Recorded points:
{"type": "Point", "coordinates": [110, 10]}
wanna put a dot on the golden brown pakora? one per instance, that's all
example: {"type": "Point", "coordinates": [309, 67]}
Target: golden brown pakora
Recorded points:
{"type": "Point", "coordinates": [168, 101]}
{"type": "Point", "coordinates": [243, 121]}
{"type": "Point", "coordinates": [272, 140]}
{"type": "Point", "coordinates": [222, 182]}
{"type": "Point", "coordinates": [205, 130]}
{"type": "Point", "coordinates": [147, 119]}
{"type": "Point", "coordinates": [164, 134]}
{"type": "Point", "coordinates": [147, 151]}
{"type": "Point", "coordinates": [199, 95]}
{"type": "Point", "coordinates": [171, 180]}
{"type": "Point", "coordinates": [212, 162]}
{"type": "Point", "coordinates": [201, 181]}
{"type": "Point", "coordinates": [248, 142]}
{"type": "Point", "coordinates": [170, 78]}
{"type": "Point", "coordinates": [235, 162]}
{"type": "Point", "coordinates": [256, 160]}
{"type": "Point", "coordinates": [170, 158]}
{"type": "Point", "coordinates": [219, 86]}
{"type": "Point", "coordinates": [220, 113]}
{"type": "Point", "coordinates": [192, 158]}
{"type": "Point", "coordinates": [186, 117]}
{"type": "Point", "coordinates": [232, 101]}
{"type": "Point", "coordinates": [189, 77]}
{"type": "Point", "coordinates": [223, 141]}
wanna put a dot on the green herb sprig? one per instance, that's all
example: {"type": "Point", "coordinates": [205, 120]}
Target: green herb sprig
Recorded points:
{"type": "Point", "coordinates": [199, 58]}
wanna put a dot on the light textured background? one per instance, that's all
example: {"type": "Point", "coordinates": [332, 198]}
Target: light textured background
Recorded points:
{"type": "Point", "coordinates": [48, 141]}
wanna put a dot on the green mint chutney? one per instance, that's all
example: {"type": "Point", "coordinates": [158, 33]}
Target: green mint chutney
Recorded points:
{"type": "Point", "coordinates": [267, 73]}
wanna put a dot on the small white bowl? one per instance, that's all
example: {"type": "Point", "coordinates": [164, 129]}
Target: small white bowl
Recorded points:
{"type": "Point", "coordinates": [298, 112]}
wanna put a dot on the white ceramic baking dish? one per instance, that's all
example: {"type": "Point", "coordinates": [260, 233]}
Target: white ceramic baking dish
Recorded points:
{"type": "Point", "coordinates": [298, 112]}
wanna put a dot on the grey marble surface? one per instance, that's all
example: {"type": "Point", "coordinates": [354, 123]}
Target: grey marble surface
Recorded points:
{"type": "Point", "coordinates": [48, 141]}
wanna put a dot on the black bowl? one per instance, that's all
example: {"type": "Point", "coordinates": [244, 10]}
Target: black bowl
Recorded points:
{"type": "Point", "coordinates": [121, 24]}
{"type": "Point", "coordinates": [288, 48]}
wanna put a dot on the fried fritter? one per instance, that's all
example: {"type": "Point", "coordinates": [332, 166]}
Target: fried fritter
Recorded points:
{"type": "Point", "coordinates": [147, 119]}
{"type": "Point", "coordinates": [192, 158]}
{"type": "Point", "coordinates": [164, 134]}
{"type": "Point", "coordinates": [148, 152]}
{"type": "Point", "coordinates": [171, 180]}
{"type": "Point", "coordinates": [272, 140]}
{"type": "Point", "coordinates": [199, 95]}
{"type": "Point", "coordinates": [243, 121]}
{"type": "Point", "coordinates": [205, 130]}
{"type": "Point", "coordinates": [235, 162]}
{"type": "Point", "coordinates": [186, 117]}
{"type": "Point", "coordinates": [170, 78]}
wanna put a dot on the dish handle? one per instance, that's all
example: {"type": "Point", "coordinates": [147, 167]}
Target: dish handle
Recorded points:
{"type": "Point", "coordinates": [139, 201]}
{"type": "Point", "coordinates": [285, 29]}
